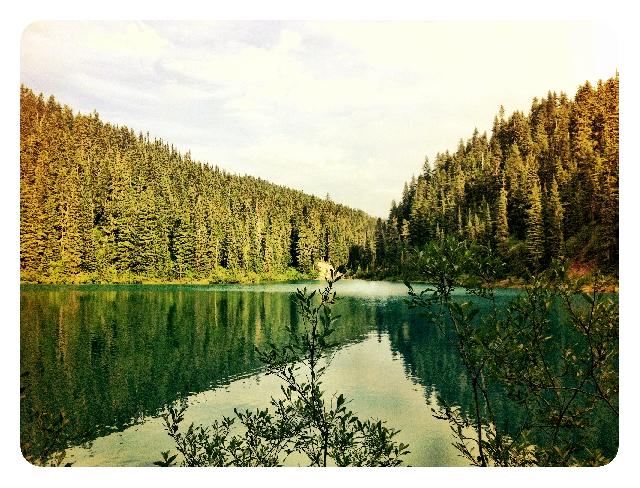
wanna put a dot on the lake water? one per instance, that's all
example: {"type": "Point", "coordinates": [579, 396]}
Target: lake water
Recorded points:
{"type": "Point", "coordinates": [113, 357]}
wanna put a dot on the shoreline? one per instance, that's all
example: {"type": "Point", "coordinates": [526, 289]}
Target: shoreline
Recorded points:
{"type": "Point", "coordinates": [511, 282]}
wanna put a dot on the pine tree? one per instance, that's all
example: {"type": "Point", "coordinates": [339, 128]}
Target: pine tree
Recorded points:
{"type": "Point", "coordinates": [477, 225]}
{"type": "Point", "coordinates": [419, 215]}
{"type": "Point", "coordinates": [515, 176]}
{"type": "Point", "coordinates": [307, 250]}
{"type": "Point", "coordinates": [202, 251]}
{"type": "Point", "coordinates": [610, 224]}
{"type": "Point", "coordinates": [381, 243]}
{"type": "Point", "coordinates": [394, 243]}
{"type": "Point", "coordinates": [470, 229]}
{"type": "Point", "coordinates": [535, 231]}
{"type": "Point", "coordinates": [405, 232]}
{"type": "Point", "coordinates": [97, 197]}
{"type": "Point", "coordinates": [555, 239]}
{"type": "Point", "coordinates": [502, 222]}
{"type": "Point", "coordinates": [487, 223]}
{"type": "Point", "coordinates": [183, 244]}
{"type": "Point", "coordinates": [559, 160]}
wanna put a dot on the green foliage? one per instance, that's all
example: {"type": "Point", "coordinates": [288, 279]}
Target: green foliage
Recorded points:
{"type": "Point", "coordinates": [561, 377]}
{"type": "Point", "coordinates": [502, 222]}
{"type": "Point", "coordinates": [97, 199]}
{"type": "Point", "coordinates": [552, 177]}
{"type": "Point", "coordinates": [302, 421]}
{"type": "Point", "coordinates": [535, 231]}
{"type": "Point", "coordinates": [555, 227]}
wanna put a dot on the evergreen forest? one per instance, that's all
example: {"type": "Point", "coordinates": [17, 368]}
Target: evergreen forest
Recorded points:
{"type": "Point", "coordinates": [100, 203]}
{"type": "Point", "coordinates": [535, 201]}
{"type": "Point", "coordinates": [542, 186]}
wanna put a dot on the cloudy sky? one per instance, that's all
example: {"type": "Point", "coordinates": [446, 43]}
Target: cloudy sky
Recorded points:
{"type": "Point", "coordinates": [345, 108]}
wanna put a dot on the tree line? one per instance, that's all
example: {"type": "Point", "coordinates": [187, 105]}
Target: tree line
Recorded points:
{"type": "Point", "coordinates": [543, 185]}
{"type": "Point", "coordinates": [100, 203]}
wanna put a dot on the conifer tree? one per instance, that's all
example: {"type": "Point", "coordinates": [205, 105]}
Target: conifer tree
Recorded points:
{"type": "Point", "coordinates": [394, 243]}
{"type": "Point", "coordinates": [555, 234]}
{"type": "Point", "coordinates": [487, 223]}
{"type": "Point", "coordinates": [610, 224]}
{"type": "Point", "coordinates": [478, 226]}
{"type": "Point", "coordinates": [202, 251]}
{"type": "Point", "coordinates": [405, 232]}
{"type": "Point", "coordinates": [569, 148]}
{"type": "Point", "coordinates": [502, 222]}
{"type": "Point", "coordinates": [419, 215]}
{"type": "Point", "coordinates": [98, 198]}
{"type": "Point", "coordinates": [381, 243]}
{"type": "Point", "coordinates": [470, 229]}
{"type": "Point", "coordinates": [515, 175]}
{"type": "Point", "coordinates": [535, 232]}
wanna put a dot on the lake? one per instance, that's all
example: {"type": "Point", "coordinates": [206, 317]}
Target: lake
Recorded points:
{"type": "Point", "coordinates": [112, 357]}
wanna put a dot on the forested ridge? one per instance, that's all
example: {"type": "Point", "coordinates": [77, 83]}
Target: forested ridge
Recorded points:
{"type": "Point", "coordinates": [543, 185]}
{"type": "Point", "coordinates": [100, 203]}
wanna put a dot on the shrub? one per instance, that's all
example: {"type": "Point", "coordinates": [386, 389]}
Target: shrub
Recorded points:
{"type": "Point", "coordinates": [304, 420]}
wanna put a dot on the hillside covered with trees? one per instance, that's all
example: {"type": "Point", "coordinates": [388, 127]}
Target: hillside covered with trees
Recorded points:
{"type": "Point", "coordinates": [543, 185]}
{"type": "Point", "coordinates": [99, 203]}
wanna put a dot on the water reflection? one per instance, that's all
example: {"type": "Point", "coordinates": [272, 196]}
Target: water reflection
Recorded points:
{"type": "Point", "coordinates": [109, 356]}
{"type": "Point", "coordinates": [112, 357]}
{"type": "Point", "coordinates": [432, 359]}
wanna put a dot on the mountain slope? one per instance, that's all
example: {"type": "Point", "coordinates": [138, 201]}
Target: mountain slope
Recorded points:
{"type": "Point", "coordinates": [100, 203]}
{"type": "Point", "coordinates": [543, 185]}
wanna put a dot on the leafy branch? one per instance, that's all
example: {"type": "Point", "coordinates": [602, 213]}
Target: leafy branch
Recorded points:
{"type": "Point", "coordinates": [324, 430]}
{"type": "Point", "coordinates": [514, 350]}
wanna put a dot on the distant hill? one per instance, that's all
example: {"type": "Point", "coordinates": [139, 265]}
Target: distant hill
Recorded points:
{"type": "Point", "coordinates": [100, 203]}
{"type": "Point", "coordinates": [543, 185]}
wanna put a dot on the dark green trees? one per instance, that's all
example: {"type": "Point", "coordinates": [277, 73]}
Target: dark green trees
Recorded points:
{"type": "Point", "coordinates": [92, 193]}
{"type": "Point", "coordinates": [98, 203]}
{"type": "Point", "coordinates": [534, 228]}
{"type": "Point", "coordinates": [502, 221]}
{"type": "Point", "coordinates": [555, 228]}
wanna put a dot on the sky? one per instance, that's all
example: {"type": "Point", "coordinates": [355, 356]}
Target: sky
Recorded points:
{"type": "Point", "coordinates": [349, 109]}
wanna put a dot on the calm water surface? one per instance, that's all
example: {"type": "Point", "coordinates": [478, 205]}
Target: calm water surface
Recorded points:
{"type": "Point", "coordinates": [113, 357]}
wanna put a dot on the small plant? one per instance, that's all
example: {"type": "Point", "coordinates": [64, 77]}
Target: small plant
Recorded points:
{"type": "Point", "coordinates": [304, 420]}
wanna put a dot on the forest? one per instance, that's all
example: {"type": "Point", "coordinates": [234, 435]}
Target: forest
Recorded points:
{"type": "Point", "coordinates": [542, 186]}
{"type": "Point", "coordinates": [99, 203]}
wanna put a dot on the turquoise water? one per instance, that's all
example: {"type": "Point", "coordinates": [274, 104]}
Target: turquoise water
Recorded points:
{"type": "Point", "coordinates": [113, 357]}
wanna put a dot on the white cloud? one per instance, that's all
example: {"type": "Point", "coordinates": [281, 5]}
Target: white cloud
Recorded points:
{"type": "Point", "coordinates": [290, 41]}
{"type": "Point", "coordinates": [131, 39]}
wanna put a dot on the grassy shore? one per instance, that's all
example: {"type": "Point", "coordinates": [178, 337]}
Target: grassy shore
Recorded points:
{"type": "Point", "coordinates": [221, 275]}
{"type": "Point", "coordinates": [217, 275]}
{"type": "Point", "coordinates": [610, 284]}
